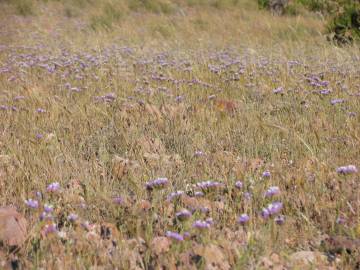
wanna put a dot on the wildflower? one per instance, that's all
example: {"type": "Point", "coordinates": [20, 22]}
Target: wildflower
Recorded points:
{"type": "Point", "coordinates": [204, 209]}
{"type": "Point", "coordinates": [48, 208]}
{"type": "Point", "coordinates": [336, 101]}
{"type": "Point", "coordinates": [183, 214]}
{"type": "Point", "coordinates": [265, 213]}
{"type": "Point", "coordinates": [32, 203]}
{"type": "Point", "coordinates": [272, 191]}
{"type": "Point", "coordinates": [179, 98]}
{"type": "Point", "coordinates": [46, 216]}
{"type": "Point", "coordinates": [109, 97]}
{"type": "Point", "coordinates": [175, 236]}
{"type": "Point", "coordinates": [208, 185]}
{"type": "Point", "coordinates": [244, 218]}
{"type": "Point", "coordinates": [17, 98]}
{"type": "Point", "coordinates": [340, 220]}
{"type": "Point", "coordinates": [157, 183]}
{"type": "Point", "coordinates": [38, 195]}
{"type": "Point", "coordinates": [199, 224]}
{"type": "Point", "coordinates": [199, 194]}
{"type": "Point", "coordinates": [186, 235]}
{"type": "Point", "coordinates": [39, 136]}
{"type": "Point", "coordinates": [278, 90]}
{"type": "Point", "coordinates": [347, 169]}
{"type": "Point", "coordinates": [53, 187]}
{"type": "Point", "coordinates": [4, 107]}
{"type": "Point", "coordinates": [275, 207]}
{"type": "Point", "coordinates": [40, 110]}
{"type": "Point", "coordinates": [198, 153]}
{"type": "Point", "coordinates": [280, 220]}
{"type": "Point", "coordinates": [266, 174]}
{"type": "Point", "coordinates": [174, 195]}
{"type": "Point", "coordinates": [72, 217]}
{"type": "Point", "coordinates": [239, 184]}
{"type": "Point", "coordinates": [50, 228]}
{"type": "Point", "coordinates": [325, 92]}
{"type": "Point", "coordinates": [209, 221]}
{"type": "Point", "coordinates": [118, 200]}
{"type": "Point", "coordinates": [247, 195]}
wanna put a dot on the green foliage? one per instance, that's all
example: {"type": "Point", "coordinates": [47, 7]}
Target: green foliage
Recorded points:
{"type": "Point", "coordinates": [263, 4]}
{"type": "Point", "coordinates": [346, 23]}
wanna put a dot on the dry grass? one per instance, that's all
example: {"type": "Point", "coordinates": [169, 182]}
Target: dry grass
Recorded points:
{"type": "Point", "coordinates": [199, 79]}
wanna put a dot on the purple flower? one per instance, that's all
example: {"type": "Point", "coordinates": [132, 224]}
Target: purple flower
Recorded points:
{"type": "Point", "coordinates": [118, 200]}
{"type": "Point", "coordinates": [200, 224]}
{"type": "Point", "coordinates": [244, 218]}
{"type": "Point", "coordinates": [53, 187]}
{"type": "Point", "coordinates": [198, 153]}
{"type": "Point", "coordinates": [199, 194]}
{"type": "Point", "coordinates": [46, 216]}
{"type": "Point", "coordinates": [179, 98]}
{"type": "Point", "coordinates": [17, 98]}
{"type": "Point", "coordinates": [280, 220]}
{"type": "Point", "coordinates": [4, 107]}
{"type": "Point", "coordinates": [48, 208]}
{"type": "Point", "coordinates": [109, 97]}
{"type": "Point", "coordinates": [206, 185]}
{"type": "Point", "coordinates": [204, 209]}
{"type": "Point", "coordinates": [336, 101]}
{"type": "Point", "coordinates": [175, 195]}
{"type": "Point", "coordinates": [38, 195]}
{"type": "Point", "coordinates": [175, 236]}
{"type": "Point", "coordinates": [239, 184]}
{"type": "Point", "coordinates": [39, 136]}
{"type": "Point", "coordinates": [266, 174]}
{"type": "Point", "coordinates": [275, 208]}
{"type": "Point", "coordinates": [247, 195]}
{"type": "Point", "coordinates": [183, 214]}
{"type": "Point", "coordinates": [72, 217]}
{"type": "Point", "coordinates": [209, 221]}
{"type": "Point", "coordinates": [349, 169]}
{"type": "Point", "coordinates": [272, 191]}
{"type": "Point", "coordinates": [157, 183]}
{"type": "Point", "coordinates": [325, 92]}
{"type": "Point", "coordinates": [186, 235]}
{"type": "Point", "coordinates": [278, 90]}
{"type": "Point", "coordinates": [50, 228]}
{"type": "Point", "coordinates": [265, 214]}
{"type": "Point", "coordinates": [40, 110]}
{"type": "Point", "coordinates": [340, 220]}
{"type": "Point", "coordinates": [32, 203]}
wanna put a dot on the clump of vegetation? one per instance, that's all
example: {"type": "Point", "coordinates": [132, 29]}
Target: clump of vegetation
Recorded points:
{"type": "Point", "coordinates": [345, 24]}
{"type": "Point", "coordinates": [24, 7]}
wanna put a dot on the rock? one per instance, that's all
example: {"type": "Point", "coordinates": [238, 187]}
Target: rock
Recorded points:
{"type": "Point", "coordinates": [307, 258]}
{"type": "Point", "coordinates": [12, 227]}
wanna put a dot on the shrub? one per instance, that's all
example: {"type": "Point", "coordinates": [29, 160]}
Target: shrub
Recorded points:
{"type": "Point", "coordinates": [345, 24]}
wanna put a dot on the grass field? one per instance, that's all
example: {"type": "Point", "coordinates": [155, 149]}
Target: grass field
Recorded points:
{"type": "Point", "coordinates": [130, 106]}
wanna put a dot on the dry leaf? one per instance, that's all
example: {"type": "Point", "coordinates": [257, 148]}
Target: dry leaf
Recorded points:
{"type": "Point", "coordinates": [12, 227]}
